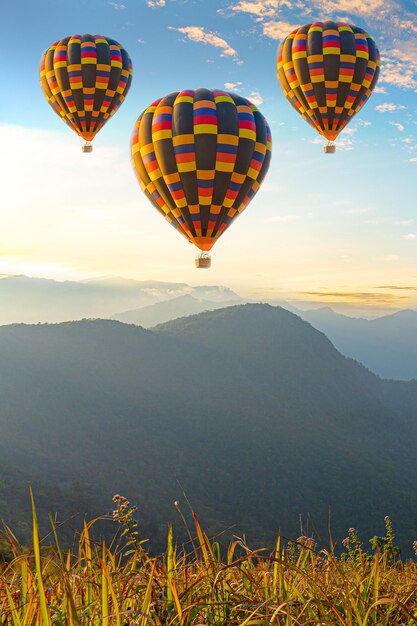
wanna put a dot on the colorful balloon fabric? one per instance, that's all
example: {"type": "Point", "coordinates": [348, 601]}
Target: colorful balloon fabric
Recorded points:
{"type": "Point", "coordinates": [327, 71]}
{"type": "Point", "coordinates": [85, 79]}
{"type": "Point", "coordinates": [200, 157]}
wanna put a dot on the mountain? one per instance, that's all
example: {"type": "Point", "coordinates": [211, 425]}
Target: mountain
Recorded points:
{"type": "Point", "coordinates": [168, 310]}
{"type": "Point", "coordinates": [33, 300]}
{"type": "Point", "coordinates": [248, 409]}
{"type": "Point", "coordinates": [386, 345]}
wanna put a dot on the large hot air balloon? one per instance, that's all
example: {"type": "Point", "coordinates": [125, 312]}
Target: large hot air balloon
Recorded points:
{"type": "Point", "coordinates": [200, 157]}
{"type": "Point", "coordinates": [85, 79]}
{"type": "Point", "coordinates": [327, 71]}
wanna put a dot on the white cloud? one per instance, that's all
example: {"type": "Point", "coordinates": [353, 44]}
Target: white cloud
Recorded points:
{"type": "Point", "coordinates": [405, 222]}
{"type": "Point", "coordinates": [398, 126]}
{"type": "Point", "coordinates": [399, 65]}
{"type": "Point", "coordinates": [344, 142]}
{"type": "Point", "coordinates": [353, 7]}
{"type": "Point", "coordinates": [263, 9]}
{"type": "Point", "coordinates": [363, 123]}
{"type": "Point", "coordinates": [405, 24]}
{"type": "Point", "coordinates": [256, 98]}
{"type": "Point", "coordinates": [278, 30]}
{"type": "Point", "coordinates": [259, 8]}
{"type": "Point", "coordinates": [199, 35]}
{"type": "Point", "coordinates": [407, 140]}
{"type": "Point", "coordinates": [233, 86]}
{"type": "Point", "coordinates": [413, 160]}
{"type": "Point", "coordinates": [154, 4]}
{"type": "Point", "coordinates": [410, 236]}
{"type": "Point", "coordinates": [388, 107]}
{"type": "Point", "coordinates": [117, 5]}
{"type": "Point", "coordinates": [379, 89]}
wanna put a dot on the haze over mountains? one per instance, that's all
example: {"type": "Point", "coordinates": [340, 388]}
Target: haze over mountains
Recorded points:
{"type": "Point", "coordinates": [168, 310]}
{"type": "Point", "coordinates": [33, 300]}
{"type": "Point", "coordinates": [248, 409]}
{"type": "Point", "coordinates": [386, 345]}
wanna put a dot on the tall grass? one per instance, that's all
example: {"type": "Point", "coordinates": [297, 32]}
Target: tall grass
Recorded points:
{"type": "Point", "coordinates": [200, 583]}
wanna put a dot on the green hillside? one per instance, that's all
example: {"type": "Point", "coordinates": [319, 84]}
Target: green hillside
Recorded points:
{"type": "Point", "coordinates": [249, 410]}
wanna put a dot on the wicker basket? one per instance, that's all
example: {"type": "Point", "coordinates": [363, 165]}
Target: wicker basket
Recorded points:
{"type": "Point", "coordinates": [330, 148]}
{"type": "Point", "coordinates": [87, 147]}
{"type": "Point", "coordinates": [203, 262]}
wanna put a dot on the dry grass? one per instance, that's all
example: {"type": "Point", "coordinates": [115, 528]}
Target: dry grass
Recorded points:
{"type": "Point", "coordinates": [122, 584]}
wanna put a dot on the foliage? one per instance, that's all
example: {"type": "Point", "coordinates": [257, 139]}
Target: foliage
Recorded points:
{"type": "Point", "coordinates": [201, 583]}
{"type": "Point", "coordinates": [385, 545]}
{"type": "Point", "coordinates": [249, 410]}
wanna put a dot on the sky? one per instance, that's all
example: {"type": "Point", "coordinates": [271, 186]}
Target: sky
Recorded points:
{"type": "Point", "coordinates": [335, 229]}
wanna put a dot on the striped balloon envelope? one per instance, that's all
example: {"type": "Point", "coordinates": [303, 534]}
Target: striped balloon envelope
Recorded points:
{"type": "Point", "coordinates": [85, 79]}
{"type": "Point", "coordinates": [200, 157]}
{"type": "Point", "coordinates": [327, 71]}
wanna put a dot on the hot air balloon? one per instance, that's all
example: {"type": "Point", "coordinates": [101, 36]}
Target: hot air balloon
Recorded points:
{"type": "Point", "coordinates": [200, 157]}
{"type": "Point", "coordinates": [85, 79]}
{"type": "Point", "coordinates": [327, 71]}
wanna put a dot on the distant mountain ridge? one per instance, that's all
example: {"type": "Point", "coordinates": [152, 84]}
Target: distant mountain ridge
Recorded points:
{"type": "Point", "coordinates": [248, 409]}
{"type": "Point", "coordinates": [34, 300]}
{"type": "Point", "coordinates": [165, 311]}
{"type": "Point", "coordinates": [386, 345]}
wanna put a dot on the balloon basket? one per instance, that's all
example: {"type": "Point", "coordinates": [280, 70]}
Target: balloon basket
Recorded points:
{"type": "Point", "coordinates": [330, 148]}
{"type": "Point", "coordinates": [87, 147]}
{"type": "Point", "coordinates": [203, 261]}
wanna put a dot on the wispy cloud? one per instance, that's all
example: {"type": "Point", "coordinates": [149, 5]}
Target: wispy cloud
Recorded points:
{"type": "Point", "coordinates": [399, 287]}
{"type": "Point", "coordinates": [398, 126]}
{"type": "Point", "coordinates": [117, 5]}
{"type": "Point", "coordinates": [256, 98]}
{"type": "Point", "coordinates": [410, 236]}
{"type": "Point", "coordinates": [405, 222]}
{"type": "Point", "coordinates": [380, 89]}
{"type": "Point", "coordinates": [399, 65]}
{"type": "Point", "coordinates": [392, 24]}
{"type": "Point", "coordinates": [199, 35]}
{"type": "Point", "coordinates": [353, 7]}
{"type": "Point", "coordinates": [279, 29]}
{"type": "Point", "coordinates": [155, 4]}
{"type": "Point", "coordinates": [233, 86]}
{"type": "Point", "coordinates": [388, 107]}
{"type": "Point", "coordinates": [345, 141]}
{"type": "Point", "coordinates": [361, 296]}
{"type": "Point", "coordinates": [413, 160]}
{"type": "Point", "coordinates": [259, 8]}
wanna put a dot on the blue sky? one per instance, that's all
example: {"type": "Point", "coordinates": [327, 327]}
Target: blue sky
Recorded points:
{"type": "Point", "coordinates": [334, 229]}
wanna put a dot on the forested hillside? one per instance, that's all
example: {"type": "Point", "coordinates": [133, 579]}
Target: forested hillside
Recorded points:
{"type": "Point", "coordinates": [249, 410]}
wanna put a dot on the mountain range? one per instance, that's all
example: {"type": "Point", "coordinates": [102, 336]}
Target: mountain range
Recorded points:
{"type": "Point", "coordinates": [34, 300]}
{"type": "Point", "coordinates": [160, 312]}
{"type": "Point", "coordinates": [386, 345]}
{"type": "Point", "coordinates": [248, 409]}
